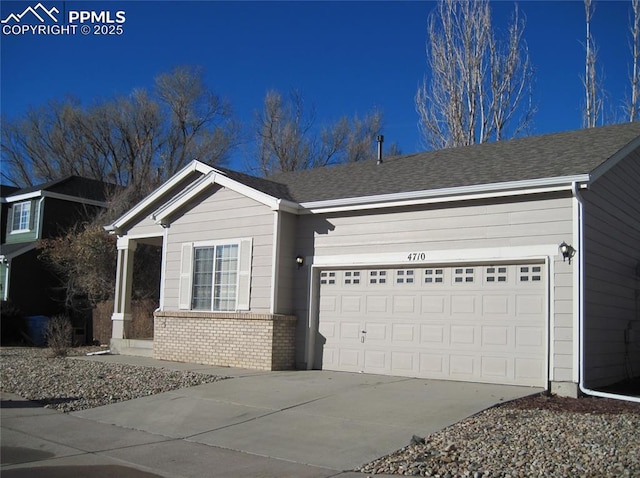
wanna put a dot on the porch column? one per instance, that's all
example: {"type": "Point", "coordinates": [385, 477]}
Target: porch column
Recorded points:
{"type": "Point", "coordinates": [124, 278]}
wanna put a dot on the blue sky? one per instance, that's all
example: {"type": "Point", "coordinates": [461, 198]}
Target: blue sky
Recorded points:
{"type": "Point", "coordinates": [345, 58]}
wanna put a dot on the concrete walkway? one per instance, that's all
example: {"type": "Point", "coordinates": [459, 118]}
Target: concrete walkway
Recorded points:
{"type": "Point", "coordinates": [266, 424]}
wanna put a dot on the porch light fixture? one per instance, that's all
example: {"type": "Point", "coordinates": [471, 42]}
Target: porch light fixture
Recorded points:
{"type": "Point", "coordinates": [299, 261]}
{"type": "Point", "coordinates": [567, 251]}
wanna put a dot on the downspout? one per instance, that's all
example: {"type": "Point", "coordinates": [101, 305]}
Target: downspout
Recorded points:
{"type": "Point", "coordinates": [7, 277]}
{"type": "Point", "coordinates": [40, 218]}
{"type": "Point", "coordinates": [580, 305]}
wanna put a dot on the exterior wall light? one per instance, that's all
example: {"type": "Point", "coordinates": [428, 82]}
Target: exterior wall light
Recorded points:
{"type": "Point", "coordinates": [299, 261]}
{"type": "Point", "coordinates": [567, 251]}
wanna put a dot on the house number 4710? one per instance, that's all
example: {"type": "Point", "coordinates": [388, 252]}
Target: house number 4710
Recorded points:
{"type": "Point", "coordinates": [417, 256]}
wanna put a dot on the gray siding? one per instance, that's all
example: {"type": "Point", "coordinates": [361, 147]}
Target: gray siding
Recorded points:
{"type": "Point", "coordinates": [223, 214]}
{"type": "Point", "coordinates": [612, 286]}
{"type": "Point", "coordinates": [534, 220]}
{"type": "Point", "coordinates": [146, 226]}
{"type": "Point", "coordinates": [287, 268]}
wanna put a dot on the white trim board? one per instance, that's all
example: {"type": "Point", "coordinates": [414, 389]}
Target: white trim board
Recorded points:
{"type": "Point", "coordinates": [512, 253]}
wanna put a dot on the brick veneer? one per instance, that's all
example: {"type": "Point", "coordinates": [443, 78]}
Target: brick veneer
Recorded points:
{"type": "Point", "coordinates": [257, 341]}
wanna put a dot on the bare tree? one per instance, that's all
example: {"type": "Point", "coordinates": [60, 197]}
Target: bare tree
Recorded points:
{"type": "Point", "coordinates": [201, 125]}
{"type": "Point", "coordinates": [287, 139]}
{"type": "Point", "coordinates": [632, 108]}
{"type": "Point", "coordinates": [135, 140]}
{"type": "Point", "coordinates": [478, 89]}
{"type": "Point", "coordinates": [592, 86]}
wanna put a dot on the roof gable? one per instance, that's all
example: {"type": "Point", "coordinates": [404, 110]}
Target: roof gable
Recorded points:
{"type": "Point", "coordinates": [190, 182]}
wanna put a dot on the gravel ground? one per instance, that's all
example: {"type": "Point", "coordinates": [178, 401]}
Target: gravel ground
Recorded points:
{"type": "Point", "coordinates": [69, 385]}
{"type": "Point", "coordinates": [538, 436]}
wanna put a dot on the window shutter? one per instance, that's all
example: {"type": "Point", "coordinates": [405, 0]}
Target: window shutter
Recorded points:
{"type": "Point", "coordinates": [33, 210]}
{"type": "Point", "coordinates": [244, 275]}
{"type": "Point", "coordinates": [186, 263]}
{"type": "Point", "coordinates": [12, 211]}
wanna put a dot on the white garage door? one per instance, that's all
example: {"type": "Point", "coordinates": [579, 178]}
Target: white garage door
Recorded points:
{"type": "Point", "coordinates": [472, 323]}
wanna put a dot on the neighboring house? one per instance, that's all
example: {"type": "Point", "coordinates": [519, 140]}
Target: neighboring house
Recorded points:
{"type": "Point", "coordinates": [40, 212]}
{"type": "Point", "coordinates": [442, 265]}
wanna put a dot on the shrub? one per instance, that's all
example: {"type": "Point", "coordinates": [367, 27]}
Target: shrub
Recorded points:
{"type": "Point", "coordinates": [59, 335]}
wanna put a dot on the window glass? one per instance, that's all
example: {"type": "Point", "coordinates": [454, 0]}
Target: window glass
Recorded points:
{"type": "Point", "coordinates": [21, 213]}
{"type": "Point", "coordinates": [215, 277]}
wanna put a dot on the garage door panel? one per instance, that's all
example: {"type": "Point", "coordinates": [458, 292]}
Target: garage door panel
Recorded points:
{"type": "Point", "coordinates": [463, 335]}
{"type": "Point", "coordinates": [496, 368]}
{"type": "Point", "coordinates": [376, 360]}
{"type": "Point", "coordinates": [327, 329]}
{"type": "Point", "coordinates": [461, 366]}
{"type": "Point", "coordinates": [463, 304]}
{"type": "Point", "coordinates": [351, 304]}
{"type": "Point", "coordinates": [433, 365]}
{"type": "Point", "coordinates": [377, 304]}
{"type": "Point", "coordinates": [350, 331]}
{"type": "Point", "coordinates": [432, 334]}
{"type": "Point", "coordinates": [403, 333]}
{"type": "Point", "coordinates": [495, 305]}
{"type": "Point", "coordinates": [433, 304]}
{"type": "Point", "coordinates": [472, 323]}
{"type": "Point", "coordinates": [527, 305]}
{"type": "Point", "coordinates": [328, 303]}
{"type": "Point", "coordinates": [349, 358]}
{"type": "Point", "coordinates": [403, 362]}
{"type": "Point", "coordinates": [529, 370]}
{"type": "Point", "coordinates": [496, 336]}
{"type": "Point", "coordinates": [529, 337]}
{"type": "Point", "coordinates": [404, 305]}
{"type": "Point", "coordinates": [377, 331]}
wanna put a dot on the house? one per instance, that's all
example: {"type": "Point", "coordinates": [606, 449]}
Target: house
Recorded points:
{"type": "Point", "coordinates": [514, 262]}
{"type": "Point", "coordinates": [40, 212]}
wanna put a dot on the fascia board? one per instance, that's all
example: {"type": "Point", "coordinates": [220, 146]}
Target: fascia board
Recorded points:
{"type": "Point", "coordinates": [185, 196]}
{"type": "Point", "coordinates": [49, 194]}
{"type": "Point", "coordinates": [465, 193]}
{"type": "Point", "coordinates": [218, 177]}
{"type": "Point", "coordinates": [24, 197]}
{"type": "Point", "coordinates": [247, 191]}
{"type": "Point", "coordinates": [193, 166]}
{"type": "Point", "coordinates": [599, 171]}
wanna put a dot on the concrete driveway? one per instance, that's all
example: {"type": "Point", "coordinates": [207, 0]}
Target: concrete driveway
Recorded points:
{"type": "Point", "coordinates": [303, 423]}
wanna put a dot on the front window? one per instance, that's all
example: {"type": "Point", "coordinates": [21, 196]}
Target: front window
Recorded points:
{"type": "Point", "coordinates": [215, 277]}
{"type": "Point", "coordinates": [21, 216]}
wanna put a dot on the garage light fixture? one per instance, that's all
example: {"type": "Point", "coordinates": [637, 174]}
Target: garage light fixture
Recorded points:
{"type": "Point", "coordinates": [567, 251]}
{"type": "Point", "coordinates": [299, 261]}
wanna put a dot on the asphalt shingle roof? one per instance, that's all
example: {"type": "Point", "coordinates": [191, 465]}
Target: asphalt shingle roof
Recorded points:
{"type": "Point", "coordinates": [76, 186]}
{"type": "Point", "coordinates": [536, 157]}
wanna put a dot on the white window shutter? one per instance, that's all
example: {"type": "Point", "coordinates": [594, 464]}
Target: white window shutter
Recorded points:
{"type": "Point", "coordinates": [186, 264]}
{"type": "Point", "coordinates": [244, 274]}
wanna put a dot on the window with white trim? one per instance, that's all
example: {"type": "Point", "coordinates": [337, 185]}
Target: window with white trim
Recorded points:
{"type": "Point", "coordinates": [215, 276]}
{"type": "Point", "coordinates": [21, 216]}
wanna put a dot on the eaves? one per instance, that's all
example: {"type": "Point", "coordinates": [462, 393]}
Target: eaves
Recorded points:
{"type": "Point", "coordinates": [445, 195]}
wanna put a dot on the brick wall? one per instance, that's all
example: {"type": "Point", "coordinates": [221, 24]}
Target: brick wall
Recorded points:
{"type": "Point", "coordinates": [256, 341]}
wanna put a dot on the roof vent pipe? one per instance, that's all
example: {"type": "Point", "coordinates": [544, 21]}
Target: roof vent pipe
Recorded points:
{"type": "Point", "coordinates": [380, 140]}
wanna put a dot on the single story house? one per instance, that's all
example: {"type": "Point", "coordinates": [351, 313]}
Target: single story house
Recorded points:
{"type": "Point", "coordinates": [514, 262]}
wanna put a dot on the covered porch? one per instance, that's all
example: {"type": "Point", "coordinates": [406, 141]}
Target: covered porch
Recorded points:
{"type": "Point", "coordinates": [138, 271]}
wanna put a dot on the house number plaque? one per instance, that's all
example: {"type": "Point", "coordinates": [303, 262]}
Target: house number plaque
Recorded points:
{"type": "Point", "coordinates": [417, 256]}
